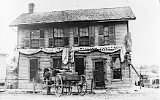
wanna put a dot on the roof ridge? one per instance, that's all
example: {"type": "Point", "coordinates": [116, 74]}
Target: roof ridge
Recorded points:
{"type": "Point", "coordinates": [78, 9]}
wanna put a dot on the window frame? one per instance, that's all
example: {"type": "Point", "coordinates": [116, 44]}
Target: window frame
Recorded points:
{"type": "Point", "coordinates": [120, 67]}
{"type": "Point", "coordinates": [37, 71]}
{"type": "Point", "coordinates": [57, 58]}
{"type": "Point", "coordinates": [87, 35]}
{"type": "Point", "coordinates": [41, 40]}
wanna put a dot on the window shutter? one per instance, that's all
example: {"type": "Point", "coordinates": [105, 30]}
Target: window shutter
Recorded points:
{"type": "Point", "coordinates": [66, 41]}
{"type": "Point", "coordinates": [76, 38]}
{"type": "Point", "coordinates": [100, 30]}
{"type": "Point", "coordinates": [26, 43]}
{"type": "Point", "coordinates": [92, 35]}
{"type": "Point", "coordinates": [111, 35]}
{"type": "Point", "coordinates": [41, 40]}
{"type": "Point", "coordinates": [66, 32]}
{"type": "Point", "coordinates": [66, 36]}
{"type": "Point", "coordinates": [51, 42]}
{"type": "Point", "coordinates": [92, 41]}
{"type": "Point", "coordinates": [101, 40]}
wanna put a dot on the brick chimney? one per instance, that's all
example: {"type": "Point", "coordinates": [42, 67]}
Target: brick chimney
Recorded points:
{"type": "Point", "coordinates": [31, 7]}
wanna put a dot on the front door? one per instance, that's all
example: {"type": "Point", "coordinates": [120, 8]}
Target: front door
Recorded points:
{"type": "Point", "coordinates": [79, 66]}
{"type": "Point", "coordinates": [99, 74]}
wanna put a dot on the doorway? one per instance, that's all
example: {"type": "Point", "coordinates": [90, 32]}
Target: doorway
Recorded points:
{"type": "Point", "coordinates": [99, 74]}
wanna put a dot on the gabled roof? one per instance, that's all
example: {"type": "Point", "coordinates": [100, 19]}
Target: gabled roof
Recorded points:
{"type": "Point", "coordinates": [104, 14]}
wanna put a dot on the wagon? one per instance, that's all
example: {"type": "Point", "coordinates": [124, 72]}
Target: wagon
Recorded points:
{"type": "Point", "coordinates": [65, 81]}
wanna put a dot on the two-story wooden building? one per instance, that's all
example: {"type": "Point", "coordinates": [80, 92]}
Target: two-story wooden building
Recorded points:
{"type": "Point", "coordinates": [92, 42]}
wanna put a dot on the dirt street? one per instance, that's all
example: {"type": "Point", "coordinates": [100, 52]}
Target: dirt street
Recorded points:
{"type": "Point", "coordinates": [134, 94]}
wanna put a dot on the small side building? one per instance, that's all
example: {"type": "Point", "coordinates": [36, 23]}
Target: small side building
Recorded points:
{"type": "Point", "coordinates": [3, 66]}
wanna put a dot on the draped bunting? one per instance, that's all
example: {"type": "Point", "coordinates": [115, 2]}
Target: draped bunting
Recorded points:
{"type": "Point", "coordinates": [105, 49]}
{"type": "Point", "coordinates": [46, 50]}
{"type": "Point", "coordinates": [65, 51]}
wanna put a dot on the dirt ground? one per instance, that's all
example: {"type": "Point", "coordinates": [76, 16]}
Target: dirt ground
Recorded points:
{"type": "Point", "coordinates": [131, 94]}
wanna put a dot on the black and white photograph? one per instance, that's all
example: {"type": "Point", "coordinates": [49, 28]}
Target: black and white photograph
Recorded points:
{"type": "Point", "coordinates": [79, 49]}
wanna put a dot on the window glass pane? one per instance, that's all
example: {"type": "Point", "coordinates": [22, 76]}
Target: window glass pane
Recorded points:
{"type": "Point", "coordinates": [35, 43]}
{"type": "Point", "coordinates": [57, 62]}
{"type": "Point", "coordinates": [83, 31]}
{"type": "Point", "coordinates": [58, 42]}
{"type": "Point", "coordinates": [117, 73]}
{"type": "Point", "coordinates": [106, 40]}
{"type": "Point", "coordinates": [84, 41]}
{"type": "Point", "coordinates": [58, 32]}
{"type": "Point", "coordinates": [35, 34]}
{"type": "Point", "coordinates": [116, 68]}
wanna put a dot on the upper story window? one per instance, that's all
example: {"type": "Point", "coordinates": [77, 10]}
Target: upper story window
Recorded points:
{"type": "Point", "coordinates": [107, 35]}
{"type": "Point", "coordinates": [83, 36]}
{"type": "Point", "coordinates": [37, 39]}
{"type": "Point", "coordinates": [59, 37]}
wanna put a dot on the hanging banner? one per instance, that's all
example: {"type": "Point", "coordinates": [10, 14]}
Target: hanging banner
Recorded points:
{"type": "Point", "coordinates": [107, 49]}
{"type": "Point", "coordinates": [122, 53]}
{"type": "Point", "coordinates": [65, 55]}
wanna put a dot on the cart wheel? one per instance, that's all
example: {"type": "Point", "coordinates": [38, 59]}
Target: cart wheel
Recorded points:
{"type": "Point", "coordinates": [58, 85]}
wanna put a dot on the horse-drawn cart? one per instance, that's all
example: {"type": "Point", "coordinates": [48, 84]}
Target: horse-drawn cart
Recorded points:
{"type": "Point", "coordinates": [61, 81]}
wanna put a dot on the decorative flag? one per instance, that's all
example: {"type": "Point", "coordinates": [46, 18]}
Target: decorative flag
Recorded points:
{"type": "Point", "coordinates": [65, 55]}
{"type": "Point", "coordinates": [122, 53]}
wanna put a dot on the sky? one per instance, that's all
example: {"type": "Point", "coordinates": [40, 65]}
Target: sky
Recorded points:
{"type": "Point", "coordinates": [145, 29]}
